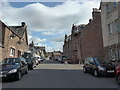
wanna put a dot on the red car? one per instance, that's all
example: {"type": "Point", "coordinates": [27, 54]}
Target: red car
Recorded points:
{"type": "Point", "coordinates": [118, 74]}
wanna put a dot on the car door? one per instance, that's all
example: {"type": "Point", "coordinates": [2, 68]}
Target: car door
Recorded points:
{"type": "Point", "coordinates": [23, 65]}
{"type": "Point", "coordinates": [92, 64]}
{"type": "Point", "coordinates": [87, 66]}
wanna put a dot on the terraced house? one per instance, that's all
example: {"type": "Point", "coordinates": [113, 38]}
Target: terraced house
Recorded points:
{"type": "Point", "coordinates": [85, 40]}
{"type": "Point", "coordinates": [110, 16]}
{"type": "Point", "coordinates": [14, 40]}
{"type": "Point", "coordinates": [1, 46]}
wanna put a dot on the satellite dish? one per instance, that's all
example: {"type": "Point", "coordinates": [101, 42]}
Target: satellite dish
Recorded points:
{"type": "Point", "coordinates": [19, 42]}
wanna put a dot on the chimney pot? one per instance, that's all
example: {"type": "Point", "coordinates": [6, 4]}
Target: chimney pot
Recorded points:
{"type": "Point", "coordinates": [23, 24]}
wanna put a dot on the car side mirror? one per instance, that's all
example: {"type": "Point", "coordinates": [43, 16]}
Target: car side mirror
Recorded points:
{"type": "Point", "coordinates": [23, 62]}
{"type": "Point", "coordinates": [92, 63]}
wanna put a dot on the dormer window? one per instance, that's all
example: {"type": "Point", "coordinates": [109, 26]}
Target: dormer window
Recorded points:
{"type": "Point", "coordinates": [12, 36]}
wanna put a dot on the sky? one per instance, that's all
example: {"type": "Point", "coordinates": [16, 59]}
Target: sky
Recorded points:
{"type": "Point", "coordinates": [47, 22]}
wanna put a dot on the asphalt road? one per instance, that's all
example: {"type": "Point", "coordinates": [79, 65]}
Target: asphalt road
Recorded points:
{"type": "Point", "coordinates": [60, 78]}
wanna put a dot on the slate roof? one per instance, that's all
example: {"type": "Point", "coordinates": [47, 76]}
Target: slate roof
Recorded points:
{"type": "Point", "coordinates": [19, 30]}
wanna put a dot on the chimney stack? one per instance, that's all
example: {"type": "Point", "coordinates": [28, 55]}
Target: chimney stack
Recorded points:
{"type": "Point", "coordinates": [96, 13]}
{"type": "Point", "coordinates": [90, 20]}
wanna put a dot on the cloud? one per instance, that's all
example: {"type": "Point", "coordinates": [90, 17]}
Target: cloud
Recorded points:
{"type": "Point", "coordinates": [48, 33]}
{"type": "Point", "coordinates": [36, 40]}
{"type": "Point", "coordinates": [49, 20]}
{"type": "Point", "coordinates": [40, 17]}
{"type": "Point", "coordinates": [58, 39]}
{"type": "Point", "coordinates": [49, 48]}
{"type": "Point", "coordinates": [59, 46]}
{"type": "Point", "coordinates": [58, 42]}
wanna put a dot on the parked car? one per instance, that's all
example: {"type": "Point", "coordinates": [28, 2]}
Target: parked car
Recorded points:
{"type": "Point", "coordinates": [59, 59]}
{"type": "Point", "coordinates": [63, 59]}
{"type": "Point", "coordinates": [98, 67]}
{"type": "Point", "coordinates": [118, 74]}
{"type": "Point", "coordinates": [30, 61]}
{"type": "Point", "coordinates": [36, 60]}
{"type": "Point", "coordinates": [43, 58]}
{"type": "Point", "coordinates": [13, 68]}
{"type": "Point", "coordinates": [39, 59]}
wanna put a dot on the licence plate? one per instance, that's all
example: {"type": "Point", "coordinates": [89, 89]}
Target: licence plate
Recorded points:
{"type": "Point", "coordinates": [2, 75]}
{"type": "Point", "coordinates": [110, 71]}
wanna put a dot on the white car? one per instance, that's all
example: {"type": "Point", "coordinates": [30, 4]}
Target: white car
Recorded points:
{"type": "Point", "coordinates": [39, 59]}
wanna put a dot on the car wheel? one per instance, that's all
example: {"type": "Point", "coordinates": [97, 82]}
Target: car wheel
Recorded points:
{"type": "Point", "coordinates": [31, 68]}
{"type": "Point", "coordinates": [118, 79]}
{"type": "Point", "coordinates": [34, 66]}
{"type": "Point", "coordinates": [26, 71]}
{"type": "Point", "coordinates": [18, 76]}
{"type": "Point", "coordinates": [95, 73]}
{"type": "Point", "coordinates": [84, 70]}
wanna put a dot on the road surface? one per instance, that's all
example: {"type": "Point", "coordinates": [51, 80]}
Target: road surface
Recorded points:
{"type": "Point", "coordinates": [52, 74]}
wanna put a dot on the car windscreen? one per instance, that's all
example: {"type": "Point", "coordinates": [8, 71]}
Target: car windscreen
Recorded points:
{"type": "Point", "coordinates": [37, 57]}
{"type": "Point", "coordinates": [64, 57]}
{"type": "Point", "coordinates": [11, 61]}
{"type": "Point", "coordinates": [100, 62]}
{"type": "Point", "coordinates": [27, 56]}
{"type": "Point", "coordinates": [28, 59]}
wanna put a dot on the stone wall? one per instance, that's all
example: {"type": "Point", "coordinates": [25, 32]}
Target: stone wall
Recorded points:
{"type": "Point", "coordinates": [1, 54]}
{"type": "Point", "coordinates": [91, 39]}
{"type": "Point", "coordinates": [13, 43]}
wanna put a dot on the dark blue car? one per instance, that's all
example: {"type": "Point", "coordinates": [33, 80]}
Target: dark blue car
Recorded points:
{"type": "Point", "coordinates": [13, 68]}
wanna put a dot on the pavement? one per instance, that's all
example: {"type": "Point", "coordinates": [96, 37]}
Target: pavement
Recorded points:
{"type": "Point", "coordinates": [56, 65]}
{"type": "Point", "coordinates": [60, 66]}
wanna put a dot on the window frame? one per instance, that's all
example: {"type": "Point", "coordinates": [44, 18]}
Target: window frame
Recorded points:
{"type": "Point", "coordinates": [12, 51]}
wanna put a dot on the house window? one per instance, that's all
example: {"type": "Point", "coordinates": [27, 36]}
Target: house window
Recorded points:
{"type": "Point", "coordinates": [12, 51]}
{"type": "Point", "coordinates": [115, 53]}
{"type": "Point", "coordinates": [119, 53]}
{"type": "Point", "coordinates": [112, 54]}
{"type": "Point", "coordinates": [109, 8]}
{"type": "Point", "coordinates": [117, 25]}
{"type": "Point", "coordinates": [110, 27]}
{"type": "Point", "coordinates": [19, 53]}
{"type": "Point", "coordinates": [115, 4]}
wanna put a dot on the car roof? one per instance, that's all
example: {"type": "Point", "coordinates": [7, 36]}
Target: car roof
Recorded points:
{"type": "Point", "coordinates": [13, 58]}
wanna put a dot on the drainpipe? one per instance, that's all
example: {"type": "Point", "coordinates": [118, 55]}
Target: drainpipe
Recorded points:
{"type": "Point", "coordinates": [80, 51]}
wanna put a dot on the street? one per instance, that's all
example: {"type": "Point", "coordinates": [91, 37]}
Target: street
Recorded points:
{"type": "Point", "coordinates": [52, 74]}
{"type": "Point", "coordinates": [56, 43]}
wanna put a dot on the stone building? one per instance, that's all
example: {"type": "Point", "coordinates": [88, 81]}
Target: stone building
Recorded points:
{"type": "Point", "coordinates": [1, 46]}
{"type": "Point", "coordinates": [49, 55]}
{"type": "Point", "coordinates": [14, 40]}
{"type": "Point", "coordinates": [57, 55]}
{"type": "Point", "coordinates": [85, 40]}
{"type": "Point", "coordinates": [110, 16]}
{"type": "Point", "coordinates": [37, 51]}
